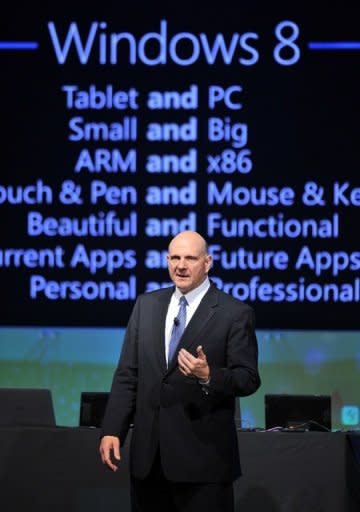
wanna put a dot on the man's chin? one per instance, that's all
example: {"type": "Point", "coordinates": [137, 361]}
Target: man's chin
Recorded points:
{"type": "Point", "coordinates": [183, 284]}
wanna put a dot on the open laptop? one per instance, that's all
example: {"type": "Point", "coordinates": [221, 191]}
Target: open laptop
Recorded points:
{"type": "Point", "coordinates": [26, 407]}
{"type": "Point", "coordinates": [92, 408]}
{"type": "Point", "coordinates": [298, 412]}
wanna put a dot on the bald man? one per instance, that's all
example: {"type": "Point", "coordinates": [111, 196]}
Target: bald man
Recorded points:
{"type": "Point", "coordinates": [188, 352]}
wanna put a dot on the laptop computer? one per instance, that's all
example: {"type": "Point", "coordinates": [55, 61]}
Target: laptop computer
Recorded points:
{"type": "Point", "coordinates": [26, 407]}
{"type": "Point", "coordinates": [92, 408]}
{"type": "Point", "coordinates": [298, 412]}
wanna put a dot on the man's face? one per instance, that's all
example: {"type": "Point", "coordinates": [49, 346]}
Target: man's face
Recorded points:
{"type": "Point", "coordinates": [188, 262]}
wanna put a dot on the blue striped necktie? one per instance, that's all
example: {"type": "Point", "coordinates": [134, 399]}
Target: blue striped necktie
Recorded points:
{"type": "Point", "coordinates": [178, 328]}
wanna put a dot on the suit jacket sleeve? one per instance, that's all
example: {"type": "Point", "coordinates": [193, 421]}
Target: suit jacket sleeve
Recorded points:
{"type": "Point", "coordinates": [121, 405]}
{"type": "Point", "coordinates": [240, 376]}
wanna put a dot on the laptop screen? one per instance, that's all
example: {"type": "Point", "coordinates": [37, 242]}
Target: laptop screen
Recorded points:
{"type": "Point", "coordinates": [92, 408]}
{"type": "Point", "coordinates": [26, 407]}
{"type": "Point", "coordinates": [307, 412]}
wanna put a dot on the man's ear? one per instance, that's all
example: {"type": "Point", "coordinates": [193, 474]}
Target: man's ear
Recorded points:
{"type": "Point", "coordinates": [209, 262]}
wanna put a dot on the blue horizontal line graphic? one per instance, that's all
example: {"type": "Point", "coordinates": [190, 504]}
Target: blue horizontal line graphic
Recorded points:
{"type": "Point", "coordinates": [19, 45]}
{"type": "Point", "coordinates": [340, 45]}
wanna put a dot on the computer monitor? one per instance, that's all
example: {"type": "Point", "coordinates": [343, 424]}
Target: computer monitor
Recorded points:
{"type": "Point", "coordinates": [298, 412]}
{"type": "Point", "coordinates": [92, 408]}
{"type": "Point", "coordinates": [26, 407]}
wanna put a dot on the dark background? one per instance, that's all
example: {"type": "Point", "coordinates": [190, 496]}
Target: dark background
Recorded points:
{"type": "Point", "coordinates": [302, 122]}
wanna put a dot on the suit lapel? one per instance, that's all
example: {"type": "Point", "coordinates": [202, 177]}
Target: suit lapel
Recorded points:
{"type": "Point", "coordinates": [202, 315]}
{"type": "Point", "coordinates": [159, 313]}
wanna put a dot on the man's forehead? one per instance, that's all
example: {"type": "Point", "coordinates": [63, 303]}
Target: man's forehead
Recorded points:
{"type": "Point", "coordinates": [185, 251]}
{"type": "Point", "coordinates": [185, 248]}
{"type": "Point", "coordinates": [188, 243]}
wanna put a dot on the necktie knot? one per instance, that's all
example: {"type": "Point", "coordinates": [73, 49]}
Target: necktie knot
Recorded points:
{"type": "Point", "coordinates": [183, 302]}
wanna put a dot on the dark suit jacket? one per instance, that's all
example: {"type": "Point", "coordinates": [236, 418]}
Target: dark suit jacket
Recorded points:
{"type": "Point", "coordinates": [193, 427]}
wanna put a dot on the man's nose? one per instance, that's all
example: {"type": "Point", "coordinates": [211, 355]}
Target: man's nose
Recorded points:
{"type": "Point", "coordinates": [182, 263]}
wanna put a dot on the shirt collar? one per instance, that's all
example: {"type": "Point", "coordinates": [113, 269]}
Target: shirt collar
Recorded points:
{"type": "Point", "coordinates": [191, 296]}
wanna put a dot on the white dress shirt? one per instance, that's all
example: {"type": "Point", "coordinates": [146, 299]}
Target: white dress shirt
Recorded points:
{"type": "Point", "coordinates": [193, 299]}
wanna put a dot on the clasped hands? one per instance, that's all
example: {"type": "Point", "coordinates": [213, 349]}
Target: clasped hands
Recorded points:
{"type": "Point", "coordinates": [194, 366]}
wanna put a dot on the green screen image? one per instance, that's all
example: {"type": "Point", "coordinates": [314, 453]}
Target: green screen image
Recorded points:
{"type": "Point", "coordinates": [69, 361]}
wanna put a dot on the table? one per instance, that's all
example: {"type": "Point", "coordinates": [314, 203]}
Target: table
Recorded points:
{"type": "Point", "coordinates": [59, 469]}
